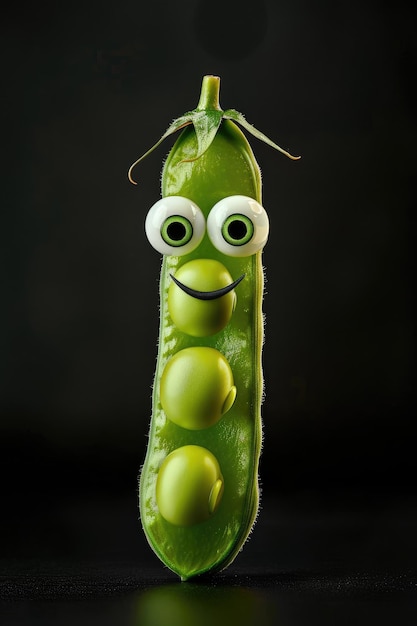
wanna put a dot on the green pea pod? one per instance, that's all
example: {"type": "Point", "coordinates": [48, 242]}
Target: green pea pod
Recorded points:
{"type": "Point", "coordinates": [199, 489]}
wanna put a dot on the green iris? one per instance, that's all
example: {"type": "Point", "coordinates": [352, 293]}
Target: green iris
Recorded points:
{"type": "Point", "coordinates": [176, 230]}
{"type": "Point", "coordinates": [237, 230]}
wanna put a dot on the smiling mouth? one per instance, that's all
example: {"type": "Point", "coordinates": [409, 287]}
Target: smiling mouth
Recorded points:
{"type": "Point", "coordinates": [207, 295]}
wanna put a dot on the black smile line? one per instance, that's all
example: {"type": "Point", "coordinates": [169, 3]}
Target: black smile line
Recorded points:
{"type": "Point", "coordinates": [207, 295]}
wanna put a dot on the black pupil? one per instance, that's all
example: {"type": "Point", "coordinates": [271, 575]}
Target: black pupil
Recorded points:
{"type": "Point", "coordinates": [176, 231]}
{"type": "Point", "coordinates": [237, 230]}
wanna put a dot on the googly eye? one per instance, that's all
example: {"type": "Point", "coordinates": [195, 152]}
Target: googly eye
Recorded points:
{"type": "Point", "coordinates": [238, 226]}
{"type": "Point", "coordinates": [175, 225]}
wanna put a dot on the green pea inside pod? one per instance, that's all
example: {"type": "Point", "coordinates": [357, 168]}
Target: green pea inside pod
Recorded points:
{"type": "Point", "coordinates": [189, 486]}
{"type": "Point", "coordinates": [201, 297]}
{"type": "Point", "coordinates": [197, 387]}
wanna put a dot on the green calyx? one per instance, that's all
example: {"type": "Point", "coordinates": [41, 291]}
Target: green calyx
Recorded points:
{"type": "Point", "coordinates": [206, 119]}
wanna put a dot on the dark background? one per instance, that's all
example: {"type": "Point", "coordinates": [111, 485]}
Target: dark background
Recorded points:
{"type": "Point", "coordinates": [87, 88]}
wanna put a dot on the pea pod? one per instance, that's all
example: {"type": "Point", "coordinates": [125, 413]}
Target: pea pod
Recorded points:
{"type": "Point", "coordinates": [198, 488]}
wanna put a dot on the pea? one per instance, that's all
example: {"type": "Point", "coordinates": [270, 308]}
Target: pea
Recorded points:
{"type": "Point", "coordinates": [189, 486]}
{"type": "Point", "coordinates": [199, 485]}
{"type": "Point", "coordinates": [201, 316]}
{"type": "Point", "coordinates": [197, 387]}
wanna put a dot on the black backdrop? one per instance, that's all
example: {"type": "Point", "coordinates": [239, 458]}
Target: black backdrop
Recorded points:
{"type": "Point", "coordinates": [86, 88]}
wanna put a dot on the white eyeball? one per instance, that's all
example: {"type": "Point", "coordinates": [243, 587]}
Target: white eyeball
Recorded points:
{"type": "Point", "coordinates": [238, 226]}
{"type": "Point", "coordinates": [175, 225]}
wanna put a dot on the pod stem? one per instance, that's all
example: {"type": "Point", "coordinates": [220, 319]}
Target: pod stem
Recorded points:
{"type": "Point", "coordinates": [206, 119]}
{"type": "Point", "coordinates": [210, 94]}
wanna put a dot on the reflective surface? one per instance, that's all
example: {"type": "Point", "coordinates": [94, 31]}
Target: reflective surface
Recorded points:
{"type": "Point", "coordinates": [348, 563]}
